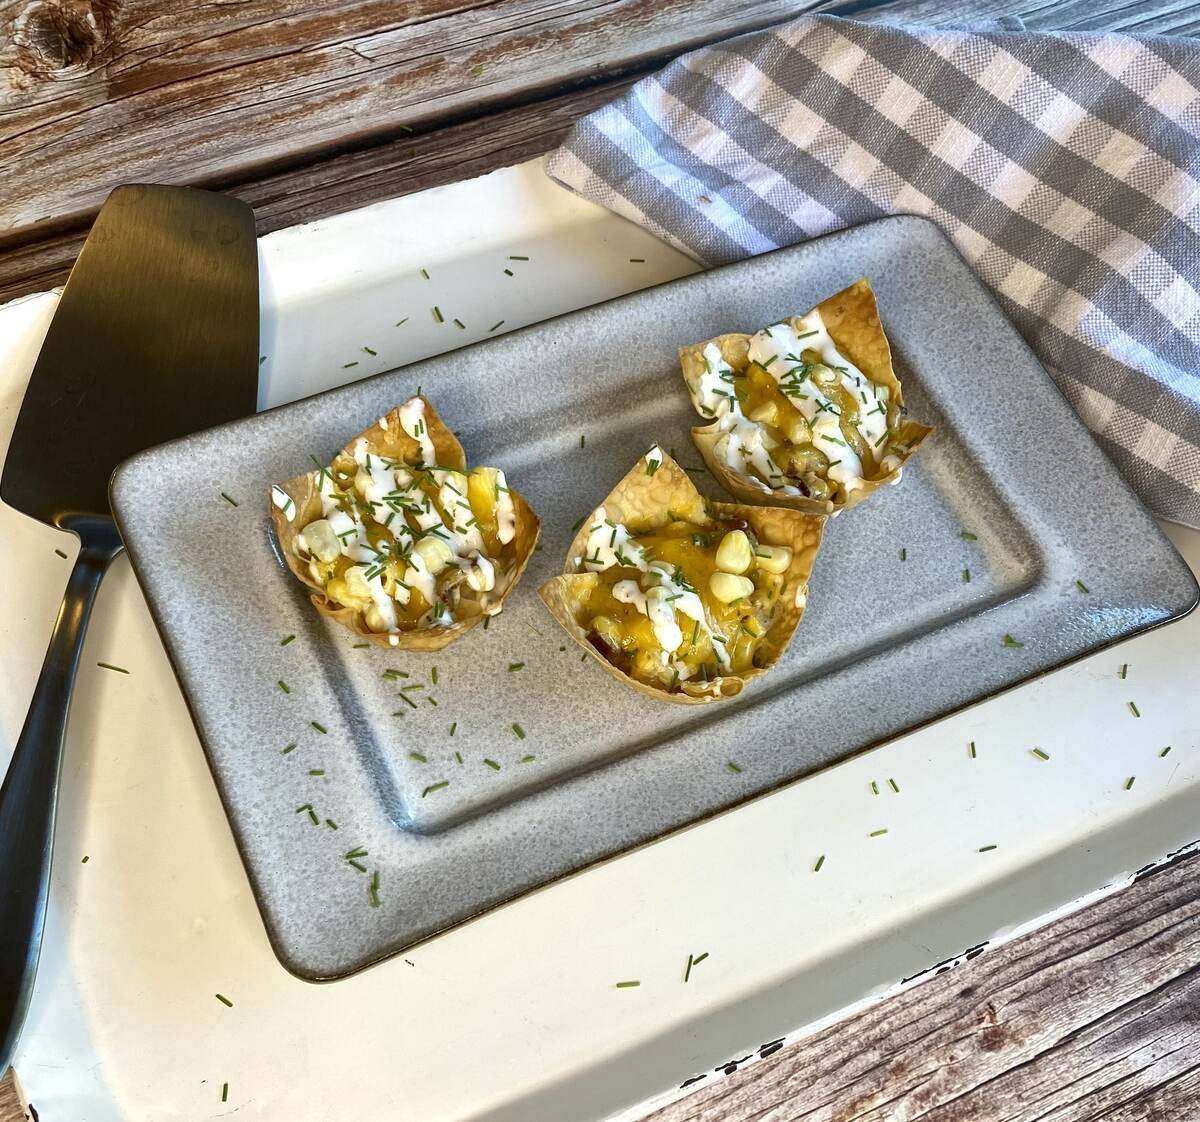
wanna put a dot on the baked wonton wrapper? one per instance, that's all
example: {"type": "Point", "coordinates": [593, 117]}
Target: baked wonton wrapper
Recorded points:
{"type": "Point", "coordinates": [647, 500]}
{"type": "Point", "coordinates": [852, 320]}
{"type": "Point", "coordinates": [387, 438]}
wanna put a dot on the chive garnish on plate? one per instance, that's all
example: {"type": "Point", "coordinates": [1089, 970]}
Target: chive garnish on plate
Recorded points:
{"type": "Point", "coordinates": [1123, 672]}
{"type": "Point", "coordinates": [1040, 754]}
{"type": "Point", "coordinates": [231, 502]}
{"type": "Point", "coordinates": [1164, 751]}
{"type": "Point", "coordinates": [517, 257]}
{"type": "Point", "coordinates": [519, 732]}
{"type": "Point", "coordinates": [418, 756]}
{"type": "Point", "coordinates": [874, 787]}
{"type": "Point", "coordinates": [1134, 709]}
{"type": "Point", "coordinates": [375, 889]}
{"type": "Point", "coordinates": [492, 764]}
{"type": "Point", "coordinates": [632, 984]}
{"type": "Point", "coordinates": [966, 576]}
{"type": "Point", "coordinates": [225, 1092]}
{"type": "Point", "coordinates": [733, 767]}
{"type": "Point", "coordinates": [971, 749]}
{"type": "Point", "coordinates": [109, 666]}
{"type": "Point", "coordinates": [370, 352]}
{"type": "Point", "coordinates": [894, 786]}
{"type": "Point", "coordinates": [283, 685]}
{"type": "Point", "coordinates": [318, 727]}
{"type": "Point", "coordinates": [819, 863]}
{"type": "Point", "coordinates": [903, 554]}
{"type": "Point", "coordinates": [437, 314]}
{"type": "Point", "coordinates": [435, 787]}
{"type": "Point", "coordinates": [1129, 782]}
{"type": "Point", "coordinates": [498, 323]}
{"type": "Point", "coordinates": [1081, 586]}
{"type": "Point", "coordinates": [967, 536]}
{"type": "Point", "coordinates": [223, 1000]}
{"type": "Point", "coordinates": [877, 833]}
{"type": "Point", "coordinates": [286, 639]}
{"type": "Point", "coordinates": [61, 554]}
{"type": "Point", "coordinates": [986, 848]}
{"type": "Point", "coordinates": [1009, 641]}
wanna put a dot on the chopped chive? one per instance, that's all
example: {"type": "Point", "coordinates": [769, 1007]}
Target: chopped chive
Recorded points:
{"type": "Point", "coordinates": [903, 554]}
{"type": "Point", "coordinates": [224, 1092]}
{"type": "Point", "coordinates": [1164, 751]}
{"type": "Point", "coordinates": [369, 351]}
{"type": "Point", "coordinates": [231, 502]}
{"type": "Point", "coordinates": [1134, 709]}
{"type": "Point", "coordinates": [517, 257]}
{"type": "Point", "coordinates": [509, 273]}
{"type": "Point", "coordinates": [1040, 754]}
{"type": "Point", "coordinates": [407, 701]}
{"type": "Point", "coordinates": [637, 261]}
{"type": "Point", "coordinates": [1123, 671]}
{"type": "Point", "coordinates": [628, 985]}
{"type": "Point", "coordinates": [582, 441]}
{"type": "Point", "coordinates": [356, 865]}
{"type": "Point", "coordinates": [877, 833]}
{"type": "Point", "coordinates": [967, 536]}
{"type": "Point", "coordinates": [61, 554]}
{"type": "Point", "coordinates": [437, 314]}
{"type": "Point", "coordinates": [286, 639]}
{"type": "Point", "coordinates": [526, 759]}
{"type": "Point", "coordinates": [357, 851]}
{"type": "Point", "coordinates": [513, 666]}
{"type": "Point", "coordinates": [319, 727]}
{"type": "Point", "coordinates": [347, 365]}
{"type": "Point", "coordinates": [733, 767]}
{"type": "Point", "coordinates": [1009, 641]}
{"type": "Point", "coordinates": [986, 848]}
{"type": "Point", "coordinates": [486, 620]}
{"type": "Point", "coordinates": [518, 731]}
{"type": "Point", "coordinates": [1081, 586]}
{"type": "Point", "coordinates": [820, 862]}
{"type": "Point", "coordinates": [283, 686]}
{"type": "Point", "coordinates": [894, 786]}
{"type": "Point", "coordinates": [223, 1000]}
{"type": "Point", "coordinates": [453, 726]}
{"type": "Point", "coordinates": [401, 322]}
{"type": "Point", "coordinates": [874, 787]}
{"type": "Point", "coordinates": [1129, 782]}
{"type": "Point", "coordinates": [360, 646]}
{"type": "Point", "coordinates": [331, 823]}
{"type": "Point", "coordinates": [498, 323]}
{"type": "Point", "coordinates": [435, 787]}
{"type": "Point", "coordinates": [687, 970]}
{"type": "Point", "coordinates": [459, 324]}
{"type": "Point", "coordinates": [316, 771]}
{"type": "Point", "coordinates": [966, 576]}
{"type": "Point", "coordinates": [418, 756]}
{"type": "Point", "coordinates": [109, 666]}
{"type": "Point", "coordinates": [704, 198]}
{"type": "Point", "coordinates": [85, 859]}
{"type": "Point", "coordinates": [412, 686]}
{"type": "Point", "coordinates": [492, 764]}
{"type": "Point", "coordinates": [971, 749]}
{"type": "Point", "coordinates": [375, 889]}
{"type": "Point", "coordinates": [425, 273]}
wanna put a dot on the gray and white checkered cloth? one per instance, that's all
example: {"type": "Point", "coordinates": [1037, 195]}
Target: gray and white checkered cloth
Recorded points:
{"type": "Point", "coordinates": [1065, 167]}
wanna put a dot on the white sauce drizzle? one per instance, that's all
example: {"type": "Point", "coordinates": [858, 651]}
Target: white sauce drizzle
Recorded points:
{"type": "Point", "coordinates": [412, 421]}
{"type": "Point", "coordinates": [284, 502]}
{"type": "Point", "coordinates": [605, 540]}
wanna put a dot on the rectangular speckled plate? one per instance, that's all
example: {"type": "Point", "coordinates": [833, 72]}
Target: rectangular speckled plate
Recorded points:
{"type": "Point", "coordinates": [886, 643]}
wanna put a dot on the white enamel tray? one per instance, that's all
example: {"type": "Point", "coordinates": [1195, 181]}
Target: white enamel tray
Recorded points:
{"type": "Point", "coordinates": [126, 1025]}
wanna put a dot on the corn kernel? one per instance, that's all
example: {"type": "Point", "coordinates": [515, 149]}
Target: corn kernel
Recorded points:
{"type": "Point", "coordinates": [727, 587]}
{"type": "Point", "coordinates": [734, 554]}
{"type": "Point", "coordinates": [773, 558]}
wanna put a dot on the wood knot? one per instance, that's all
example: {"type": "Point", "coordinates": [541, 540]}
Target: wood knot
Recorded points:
{"type": "Point", "coordinates": [62, 39]}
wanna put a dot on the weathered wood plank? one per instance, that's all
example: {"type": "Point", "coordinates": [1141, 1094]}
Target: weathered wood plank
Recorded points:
{"type": "Point", "coordinates": [37, 256]}
{"type": "Point", "coordinates": [1094, 1017]}
{"type": "Point", "coordinates": [96, 92]}
{"type": "Point", "coordinates": [354, 179]}
{"type": "Point", "coordinates": [10, 1103]}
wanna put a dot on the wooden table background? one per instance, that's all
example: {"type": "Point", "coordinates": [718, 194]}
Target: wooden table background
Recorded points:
{"type": "Point", "coordinates": [306, 110]}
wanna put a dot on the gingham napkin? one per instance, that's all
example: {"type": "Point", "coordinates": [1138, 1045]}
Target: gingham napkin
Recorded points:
{"type": "Point", "coordinates": [1065, 168]}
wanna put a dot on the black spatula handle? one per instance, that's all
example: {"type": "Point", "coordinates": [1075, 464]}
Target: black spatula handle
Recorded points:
{"type": "Point", "coordinates": [29, 795]}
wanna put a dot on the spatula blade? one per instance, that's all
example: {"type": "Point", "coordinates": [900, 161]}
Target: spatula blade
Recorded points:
{"type": "Point", "coordinates": [155, 336]}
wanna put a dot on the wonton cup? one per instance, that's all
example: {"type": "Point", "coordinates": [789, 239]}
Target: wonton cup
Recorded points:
{"type": "Point", "coordinates": [386, 438]}
{"type": "Point", "coordinates": [646, 501]}
{"type": "Point", "coordinates": [852, 319]}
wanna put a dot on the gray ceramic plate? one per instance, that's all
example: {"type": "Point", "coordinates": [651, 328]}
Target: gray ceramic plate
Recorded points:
{"type": "Point", "coordinates": [886, 643]}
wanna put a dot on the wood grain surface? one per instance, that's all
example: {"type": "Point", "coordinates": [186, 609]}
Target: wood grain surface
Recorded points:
{"type": "Point", "coordinates": [307, 110]}
{"type": "Point", "coordinates": [1095, 1018]}
{"type": "Point", "coordinates": [311, 110]}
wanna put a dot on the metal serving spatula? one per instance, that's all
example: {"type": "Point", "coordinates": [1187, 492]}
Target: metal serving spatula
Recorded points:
{"type": "Point", "coordinates": [155, 336]}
